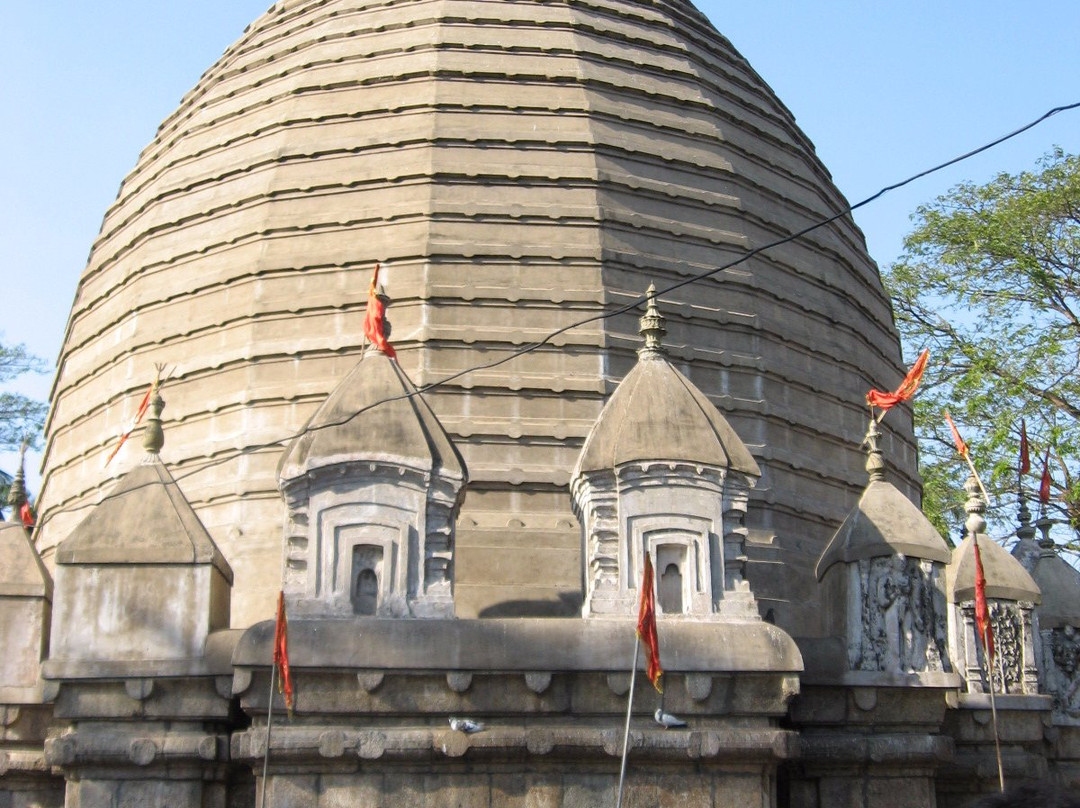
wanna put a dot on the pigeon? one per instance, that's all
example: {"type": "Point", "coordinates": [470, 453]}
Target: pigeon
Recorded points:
{"type": "Point", "coordinates": [466, 725]}
{"type": "Point", "coordinates": [667, 720]}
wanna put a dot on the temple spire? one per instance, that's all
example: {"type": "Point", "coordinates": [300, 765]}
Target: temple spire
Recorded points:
{"type": "Point", "coordinates": [17, 493]}
{"type": "Point", "coordinates": [875, 459]}
{"type": "Point", "coordinates": [652, 327]}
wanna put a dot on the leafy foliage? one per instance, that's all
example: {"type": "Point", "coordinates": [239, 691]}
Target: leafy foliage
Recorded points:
{"type": "Point", "coordinates": [990, 282]}
{"type": "Point", "coordinates": [21, 418]}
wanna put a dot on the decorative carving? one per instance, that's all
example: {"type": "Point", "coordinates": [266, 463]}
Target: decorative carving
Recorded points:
{"type": "Point", "coordinates": [902, 626]}
{"type": "Point", "coordinates": [1062, 669]}
{"type": "Point", "coordinates": [1008, 627]}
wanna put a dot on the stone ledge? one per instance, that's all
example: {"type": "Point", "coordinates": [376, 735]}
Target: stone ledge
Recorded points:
{"type": "Point", "coordinates": [521, 644]}
{"type": "Point", "coordinates": [297, 745]}
{"type": "Point", "coordinates": [896, 749]}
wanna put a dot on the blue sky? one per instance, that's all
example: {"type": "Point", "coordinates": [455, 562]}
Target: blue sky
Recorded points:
{"type": "Point", "coordinates": [883, 89]}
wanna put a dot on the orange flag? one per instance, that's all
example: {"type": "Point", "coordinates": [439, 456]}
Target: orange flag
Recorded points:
{"type": "Point", "coordinates": [907, 388]}
{"type": "Point", "coordinates": [27, 516]}
{"type": "Point", "coordinates": [646, 626]}
{"type": "Point", "coordinates": [281, 653]}
{"type": "Point", "coordinates": [1044, 483]}
{"type": "Point", "coordinates": [144, 405]}
{"type": "Point", "coordinates": [982, 610]}
{"type": "Point", "coordinates": [375, 317]}
{"type": "Point", "coordinates": [1025, 452]}
{"type": "Point", "coordinates": [961, 447]}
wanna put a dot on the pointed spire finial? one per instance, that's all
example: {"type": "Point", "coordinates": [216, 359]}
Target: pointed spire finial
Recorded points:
{"type": "Point", "coordinates": [875, 459]}
{"type": "Point", "coordinates": [1046, 544]}
{"type": "Point", "coordinates": [17, 493]}
{"type": "Point", "coordinates": [652, 326]}
{"type": "Point", "coordinates": [154, 435]}
{"type": "Point", "coordinates": [975, 507]}
{"type": "Point", "coordinates": [1026, 530]}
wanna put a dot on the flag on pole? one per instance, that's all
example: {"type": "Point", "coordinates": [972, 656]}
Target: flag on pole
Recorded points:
{"type": "Point", "coordinates": [374, 319]}
{"type": "Point", "coordinates": [281, 654]}
{"type": "Point", "coordinates": [885, 401]}
{"type": "Point", "coordinates": [1025, 452]}
{"type": "Point", "coordinates": [982, 610]}
{"type": "Point", "coordinates": [1044, 483]}
{"type": "Point", "coordinates": [26, 515]}
{"type": "Point", "coordinates": [144, 405]}
{"type": "Point", "coordinates": [646, 626]}
{"type": "Point", "coordinates": [961, 447]}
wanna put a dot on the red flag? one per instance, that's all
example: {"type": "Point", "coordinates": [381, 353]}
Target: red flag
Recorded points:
{"type": "Point", "coordinates": [1025, 454]}
{"type": "Point", "coordinates": [961, 447]}
{"type": "Point", "coordinates": [982, 611]}
{"type": "Point", "coordinates": [373, 319]}
{"type": "Point", "coordinates": [646, 626]}
{"type": "Point", "coordinates": [27, 516]}
{"type": "Point", "coordinates": [144, 405]}
{"type": "Point", "coordinates": [281, 653]}
{"type": "Point", "coordinates": [907, 388]}
{"type": "Point", "coordinates": [1044, 483]}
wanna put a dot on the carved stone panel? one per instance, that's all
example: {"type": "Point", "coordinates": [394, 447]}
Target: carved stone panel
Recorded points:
{"type": "Point", "coordinates": [898, 616]}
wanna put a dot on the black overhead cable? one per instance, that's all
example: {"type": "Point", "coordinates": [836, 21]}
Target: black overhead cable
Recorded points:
{"type": "Point", "coordinates": [633, 304]}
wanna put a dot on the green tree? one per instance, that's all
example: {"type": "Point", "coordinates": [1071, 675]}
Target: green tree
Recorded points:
{"type": "Point", "coordinates": [990, 282]}
{"type": "Point", "coordinates": [21, 418]}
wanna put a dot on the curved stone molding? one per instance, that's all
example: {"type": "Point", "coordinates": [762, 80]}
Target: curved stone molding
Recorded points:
{"type": "Point", "coordinates": [142, 751]}
{"type": "Point", "coordinates": [538, 682]}
{"type": "Point", "coordinates": [459, 681]}
{"type": "Point", "coordinates": [699, 686]}
{"type": "Point", "coordinates": [370, 681]}
{"type": "Point", "coordinates": [139, 689]}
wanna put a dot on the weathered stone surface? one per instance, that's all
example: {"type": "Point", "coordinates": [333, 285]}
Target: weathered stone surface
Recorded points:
{"type": "Point", "coordinates": [537, 176]}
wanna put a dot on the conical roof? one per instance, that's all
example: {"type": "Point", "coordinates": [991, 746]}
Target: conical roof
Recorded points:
{"type": "Point", "coordinates": [1006, 577]}
{"type": "Point", "coordinates": [656, 413]}
{"type": "Point", "coordinates": [145, 518]}
{"type": "Point", "coordinates": [884, 522]}
{"type": "Point", "coordinates": [517, 167]}
{"type": "Point", "coordinates": [23, 574]}
{"type": "Point", "coordinates": [375, 414]}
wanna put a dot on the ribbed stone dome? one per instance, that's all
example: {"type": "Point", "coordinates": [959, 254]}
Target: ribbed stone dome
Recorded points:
{"type": "Point", "coordinates": [516, 166]}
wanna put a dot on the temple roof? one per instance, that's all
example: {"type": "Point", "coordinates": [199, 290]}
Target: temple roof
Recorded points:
{"type": "Point", "coordinates": [1006, 577]}
{"type": "Point", "coordinates": [884, 522]}
{"type": "Point", "coordinates": [656, 413]}
{"type": "Point", "coordinates": [1058, 581]}
{"type": "Point", "coordinates": [374, 414]}
{"type": "Point", "coordinates": [144, 519]}
{"type": "Point", "coordinates": [22, 574]}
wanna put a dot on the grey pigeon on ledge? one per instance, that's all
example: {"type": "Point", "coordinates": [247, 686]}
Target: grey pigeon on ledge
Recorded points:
{"type": "Point", "coordinates": [466, 725]}
{"type": "Point", "coordinates": [667, 720]}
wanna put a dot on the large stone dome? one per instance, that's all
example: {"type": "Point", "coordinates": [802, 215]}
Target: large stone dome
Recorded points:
{"type": "Point", "coordinates": [517, 166]}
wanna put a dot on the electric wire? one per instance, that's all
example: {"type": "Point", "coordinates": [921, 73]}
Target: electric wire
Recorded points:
{"type": "Point", "coordinates": [604, 315]}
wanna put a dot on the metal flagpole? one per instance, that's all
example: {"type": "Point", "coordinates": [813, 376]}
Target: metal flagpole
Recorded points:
{"type": "Point", "coordinates": [629, 710]}
{"type": "Point", "coordinates": [993, 710]}
{"type": "Point", "coordinates": [269, 725]}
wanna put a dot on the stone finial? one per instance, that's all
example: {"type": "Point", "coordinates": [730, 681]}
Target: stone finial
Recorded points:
{"type": "Point", "coordinates": [975, 507]}
{"type": "Point", "coordinates": [17, 492]}
{"type": "Point", "coordinates": [1025, 531]}
{"type": "Point", "coordinates": [1044, 524]}
{"type": "Point", "coordinates": [875, 459]}
{"type": "Point", "coordinates": [652, 326]}
{"type": "Point", "coordinates": [154, 436]}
